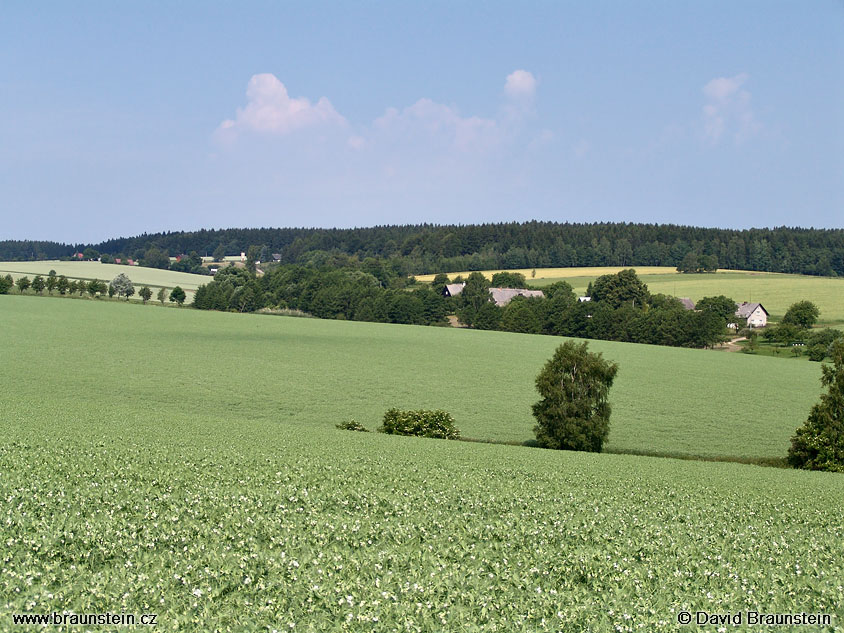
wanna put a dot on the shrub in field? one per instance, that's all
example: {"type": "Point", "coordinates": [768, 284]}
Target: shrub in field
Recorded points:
{"type": "Point", "coordinates": [438, 424]}
{"type": "Point", "coordinates": [6, 284]}
{"type": "Point", "coordinates": [145, 293]}
{"type": "Point", "coordinates": [352, 425]}
{"type": "Point", "coordinates": [819, 443]}
{"type": "Point", "coordinates": [574, 413]}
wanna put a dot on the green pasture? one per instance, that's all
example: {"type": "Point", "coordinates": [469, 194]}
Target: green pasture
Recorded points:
{"type": "Point", "coordinates": [184, 463]}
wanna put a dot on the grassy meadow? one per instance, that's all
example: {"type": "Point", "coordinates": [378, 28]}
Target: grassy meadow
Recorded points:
{"type": "Point", "coordinates": [776, 291]}
{"type": "Point", "coordinates": [184, 463]}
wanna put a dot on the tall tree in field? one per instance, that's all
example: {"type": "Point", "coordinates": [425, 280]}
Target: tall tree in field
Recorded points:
{"type": "Point", "coordinates": [123, 286]}
{"type": "Point", "coordinates": [178, 295]}
{"type": "Point", "coordinates": [251, 257]}
{"type": "Point", "coordinates": [803, 314]}
{"type": "Point", "coordinates": [574, 412]}
{"type": "Point", "coordinates": [38, 284]}
{"type": "Point", "coordinates": [95, 287]}
{"type": "Point", "coordinates": [23, 283]}
{"type": "Point", "coordinates": [145, 293]}
{"type": "Point", "coordinates": [63, 285]}
{"type": "Point", "coordinates": [162, 295]}
{"type": "Point", "coordinates": [51, 282]}
{"type": "Point", "coordinates": [475, 294]}
{"type": "Point", "coordinates": [819, 443]}
{"type": "Point", "coordinates": [6, 284]}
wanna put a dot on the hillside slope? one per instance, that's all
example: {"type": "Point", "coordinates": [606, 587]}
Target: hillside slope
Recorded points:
{"type": "Point", "coordinates": [281, 370]}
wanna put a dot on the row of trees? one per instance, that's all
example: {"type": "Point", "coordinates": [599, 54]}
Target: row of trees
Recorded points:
{"type": "Point", "coordinates": [431, 248]}
{"type": "Point", "coordinates": [120, 286]}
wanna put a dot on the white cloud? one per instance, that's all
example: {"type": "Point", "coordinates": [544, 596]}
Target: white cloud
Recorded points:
{"type": "Point", "coordinates": [728, 109]}
{"type": "Point", "coordinates": [427, 121]}
{"type": "Point", "coordinates": [270, 109]}
{"type": "Point", "coordinates": [520, 85]}
{"type": "Point", "coordinates": [424, 125]}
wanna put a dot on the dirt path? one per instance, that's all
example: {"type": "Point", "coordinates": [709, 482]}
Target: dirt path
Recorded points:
{"type": "Point", "coordinates": [733, 346]}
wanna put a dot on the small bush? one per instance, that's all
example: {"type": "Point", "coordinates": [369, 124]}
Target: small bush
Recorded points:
{"type": "Point", "coordinates": [422, 423]}
{"type": "Point", "coordinates": [352, 425]}
{"type": "Point", "coordinates": [817, 352]}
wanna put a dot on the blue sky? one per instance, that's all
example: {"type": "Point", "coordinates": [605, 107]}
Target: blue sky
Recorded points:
{"type": "Point", "coordinates": [123, 118]}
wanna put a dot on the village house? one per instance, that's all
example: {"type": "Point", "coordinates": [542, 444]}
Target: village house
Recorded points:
{"type": "Point", "coordinates": [755, 313]}
{"type": "Point", "coordinates": [501, 296]}
{"type": "Point", "coordinates": [452, 290]}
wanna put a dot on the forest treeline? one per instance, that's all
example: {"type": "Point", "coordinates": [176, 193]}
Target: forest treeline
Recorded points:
{"type": "Point", "coordinates": [427, 248]}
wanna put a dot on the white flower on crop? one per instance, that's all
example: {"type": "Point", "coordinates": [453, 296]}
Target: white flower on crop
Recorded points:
{"type": "Point", "coordinates": [197, 593]}
{"type": "Point", "coordinates": [247, 580]}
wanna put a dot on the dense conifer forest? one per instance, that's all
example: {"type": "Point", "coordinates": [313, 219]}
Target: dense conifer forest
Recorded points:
{"type": "Point", "coordinates": [430, 248]}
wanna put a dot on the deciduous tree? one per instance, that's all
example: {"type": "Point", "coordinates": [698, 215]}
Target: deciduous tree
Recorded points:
{"type": "Point", "coordinates": [178, 295]}
{"type": "Point", "coordinates": [123, 286]}
{"type": "Point", "coordinates": [803, 314]}
{"type": "Point", "coordinates": [38, 284]}
{"type": "Point", "coordinates": [819, 443]}
{"type": "Point", "coordinates": [574, 411]}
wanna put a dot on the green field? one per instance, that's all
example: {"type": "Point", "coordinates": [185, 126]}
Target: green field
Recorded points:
{"type": "Point", "coordinates": [185, 463]}
{"type": "Point", "coordinates": [775, 291]}
{"type": "Point", "coordinates": [140, 275]}
{"type": "Point", "coordinates": [310, 372]}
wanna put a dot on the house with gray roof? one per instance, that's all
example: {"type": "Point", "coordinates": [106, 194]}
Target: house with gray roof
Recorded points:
{"type": "Point", "coordinates": [687, 303]}
{"type": "Point", "coordinates": [452, 290]}
{"type": "Point", "coordinates": [755, 313]}
{"type": "Point", "coordinates": [503, 296]}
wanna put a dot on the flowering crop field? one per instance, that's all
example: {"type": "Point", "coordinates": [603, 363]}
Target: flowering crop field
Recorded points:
{"type": "Point", "coordinates": [249, 527]}
{"type": "Point", "coordinates": [185, 464]}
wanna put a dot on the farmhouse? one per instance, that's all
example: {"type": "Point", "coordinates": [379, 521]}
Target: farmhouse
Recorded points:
{"type": "Point", "coordinates": [687, 303]}
{"type": "Point", "coordinates": [452, 290]}
{"type": "Point", "coordinates": [755, 313]}
{"type": "Point", "coordinates": [503, 296]}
